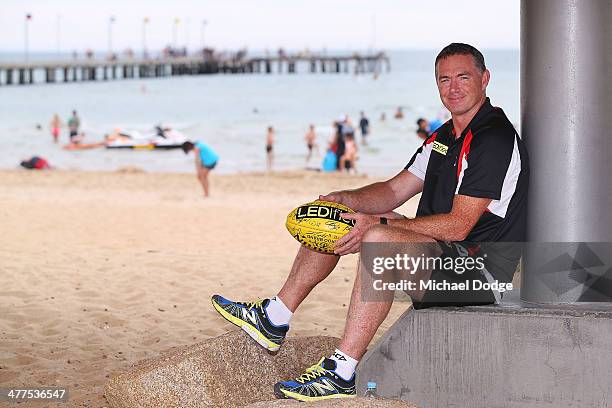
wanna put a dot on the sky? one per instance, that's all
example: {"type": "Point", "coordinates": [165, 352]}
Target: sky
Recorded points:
{"type": "Point", "coordinates": [258, 24]}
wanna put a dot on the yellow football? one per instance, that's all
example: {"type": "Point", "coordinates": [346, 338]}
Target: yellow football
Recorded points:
{"type": "Point", "coordinates": [318, 225]}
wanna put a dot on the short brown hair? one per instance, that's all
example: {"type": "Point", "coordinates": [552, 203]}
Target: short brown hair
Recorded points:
{"type": "Point", "coordinates": [462, 49]}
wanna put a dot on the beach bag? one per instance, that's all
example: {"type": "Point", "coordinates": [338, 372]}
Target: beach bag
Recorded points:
{"type": "Point", "coordinates": [330, 161]}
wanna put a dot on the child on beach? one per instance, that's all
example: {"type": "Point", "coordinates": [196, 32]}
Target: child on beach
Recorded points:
{"type": "Point", "coordinates": [205, 160]}
{"type": "Point", "coordinates": [349, 158]}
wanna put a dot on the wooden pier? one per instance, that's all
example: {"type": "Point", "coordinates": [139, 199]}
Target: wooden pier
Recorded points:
{"type": "Point", "coordinates": [95, 70]}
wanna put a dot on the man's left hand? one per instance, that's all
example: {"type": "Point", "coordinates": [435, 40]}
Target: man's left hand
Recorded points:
{"type": "Point", "coordinates": [350, 243]}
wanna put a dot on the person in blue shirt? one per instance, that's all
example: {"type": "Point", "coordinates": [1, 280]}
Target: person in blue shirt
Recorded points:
{"type": "Point", "coordinates": [205, 160]}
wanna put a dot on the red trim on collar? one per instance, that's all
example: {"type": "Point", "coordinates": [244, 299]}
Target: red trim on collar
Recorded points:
{"type": "Point", "coordinates": [465, 150]}
{"type": "Point", "coordinates": [431, 138]}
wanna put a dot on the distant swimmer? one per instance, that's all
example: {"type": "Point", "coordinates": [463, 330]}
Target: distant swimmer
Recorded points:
{"type": "Point", "coordinates": [270, 147]}
{"type": "Point", "coordinates": [364, 125]}
{"type": "Point", "coordinates": [55, 125]}
{"type": "Point", "coordinates": [205, 160]}
{"type": "Point", "coordinates": [399, 114]}
{"type": "Point", "coordinates": [74, 123]}
{"type": "Point", "coordinates": [311, 142]}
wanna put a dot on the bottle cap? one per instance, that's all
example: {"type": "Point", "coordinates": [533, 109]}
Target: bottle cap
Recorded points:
{"type": "Point", "coordinates": [371, 384]}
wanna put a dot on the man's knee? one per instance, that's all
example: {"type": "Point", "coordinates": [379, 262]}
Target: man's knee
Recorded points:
{"type": "Point", "coordinates": [377, 233]}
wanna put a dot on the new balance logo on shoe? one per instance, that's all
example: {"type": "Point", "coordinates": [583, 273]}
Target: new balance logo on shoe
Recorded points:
{"type": "Point", "coordinates": [249, 314]}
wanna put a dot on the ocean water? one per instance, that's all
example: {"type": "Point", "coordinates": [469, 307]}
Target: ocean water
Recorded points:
{"type": "Point", "coordinates": [231, 114]}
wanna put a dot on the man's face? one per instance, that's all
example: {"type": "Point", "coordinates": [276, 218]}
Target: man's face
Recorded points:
{"type": "Point", "coordinates": [461, 85]}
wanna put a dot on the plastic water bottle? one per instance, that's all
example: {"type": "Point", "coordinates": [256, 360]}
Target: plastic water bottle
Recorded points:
{"type": "Point", "coordinates": [370, 390]}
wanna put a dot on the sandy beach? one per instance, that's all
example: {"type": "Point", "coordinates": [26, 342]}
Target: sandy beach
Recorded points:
{"type": "Point", "coordinates": [101, 270]}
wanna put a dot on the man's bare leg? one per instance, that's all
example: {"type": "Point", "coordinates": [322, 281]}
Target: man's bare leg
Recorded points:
{"type": "Point", "coordinates": [364, 317]}
{"type": "Point", "coordinates": [309, 268]}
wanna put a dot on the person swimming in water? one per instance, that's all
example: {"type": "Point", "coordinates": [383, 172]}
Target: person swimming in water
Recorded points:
{"type": "Point", "coordinates": [270, 147]}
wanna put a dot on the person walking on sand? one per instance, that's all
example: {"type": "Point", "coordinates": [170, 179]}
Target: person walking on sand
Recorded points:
{"type": "Point", "coordinates": [270, 148]}
{"type": "Point", "coordinates": [311, 142]}
{"type": "Point", "coordinates": [205, 160]}
{"type": "Point", "coordinates": [473, 176]}
{"type": "Point", "coordinates": [55, 125]}
{"type": "Point", "coordinates": [74, 123]}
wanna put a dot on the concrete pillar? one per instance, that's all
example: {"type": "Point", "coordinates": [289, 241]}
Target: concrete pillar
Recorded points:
{"type": "Point", "coordinates": [268, 67]}
{"type": "Point", "coordinates": [65, 74]}
{"type": "Point", "coordinates": [21, 76]}
{"type": "Point", "coordinates": [337, 66]}
{"type": "Point", "coordinates": [74, 74]}
{"type": "Point", "coordinates": [49, 75]}
{"type": "Point", "coordinates": [313, 66]}
{"type": "Point", "coordinates": [566, 106]}
{"type": "Point", "coordinates": [104, 73]}
{"type": "Point", "coordinates": [125, 71]}
{"type": "Point", "coordinates": [9, 76]}
{"type": "Point", "coordinates": [31, 75]}
{"type": "Point", "coordinates": [323, 67]}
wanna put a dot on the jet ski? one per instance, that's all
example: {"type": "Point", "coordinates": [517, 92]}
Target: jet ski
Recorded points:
{"type": "Point", "coordinates": [160, 139]}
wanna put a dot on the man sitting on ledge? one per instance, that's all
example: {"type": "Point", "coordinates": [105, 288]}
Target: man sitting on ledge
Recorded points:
{"type": "Point", "coordinates": [473, 176]}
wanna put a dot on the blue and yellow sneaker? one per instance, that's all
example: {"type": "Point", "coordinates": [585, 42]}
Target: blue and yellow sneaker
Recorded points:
{"type": "Point", "coordinates": [253, 319]}
{"type": "Point", "coordinates": [319, 382]}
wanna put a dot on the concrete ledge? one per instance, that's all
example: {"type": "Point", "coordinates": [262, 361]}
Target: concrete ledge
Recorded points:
{"type": "Point", "coordinates": [494, 356]}
{"type": "Point", "coordinates": [228, 371]}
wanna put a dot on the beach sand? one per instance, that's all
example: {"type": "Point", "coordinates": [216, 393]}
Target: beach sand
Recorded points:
{"type": "Point", "coordinates": [101, 270]}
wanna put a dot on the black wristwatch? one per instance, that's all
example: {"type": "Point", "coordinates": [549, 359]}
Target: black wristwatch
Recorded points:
{"type": "Point", "coordinates": [383, 220]}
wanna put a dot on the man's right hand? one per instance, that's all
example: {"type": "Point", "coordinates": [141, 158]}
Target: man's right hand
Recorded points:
{"type": "Point", "coordinates": [340, 197]}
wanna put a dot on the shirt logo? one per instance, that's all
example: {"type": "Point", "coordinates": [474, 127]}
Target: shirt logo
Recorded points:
{"type": "Point", "coordinates": [440, 148]}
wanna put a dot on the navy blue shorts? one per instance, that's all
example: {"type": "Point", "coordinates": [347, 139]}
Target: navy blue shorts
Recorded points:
{"type": "Point", "coordinates": [446, 298]}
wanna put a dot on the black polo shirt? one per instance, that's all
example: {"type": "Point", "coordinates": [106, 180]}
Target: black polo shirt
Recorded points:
{"type": "Point", "coordinates": [488, 160]}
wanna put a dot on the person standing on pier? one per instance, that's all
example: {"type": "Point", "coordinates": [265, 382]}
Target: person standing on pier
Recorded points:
{"type": "Point", "coordinates": [270, 147]}
{"type": "Point", "coordinates": [74, 123]}
{"type": "Point", "coordinates": [55, 125]}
